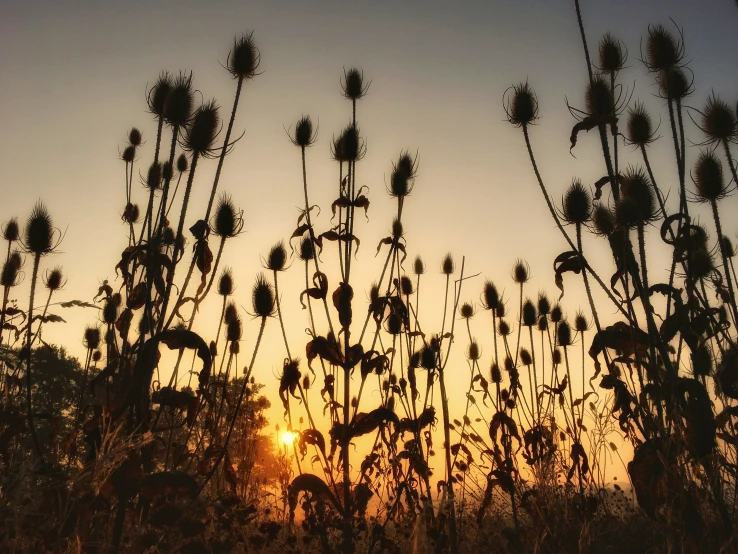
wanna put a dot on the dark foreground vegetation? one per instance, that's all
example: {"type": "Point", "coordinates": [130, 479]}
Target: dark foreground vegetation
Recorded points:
{"type": "Point", "coordinates": [157, 441]}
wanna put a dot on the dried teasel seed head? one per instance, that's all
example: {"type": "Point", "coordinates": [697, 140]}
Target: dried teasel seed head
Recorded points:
{"type": "Point", "coordinates": [225, 283]}
{"type": "Point", "coordinates": [397, 230]}
{"type": "Point", "coordinates": [580, 322]}
{"type": "Point", "coordinates": [182, 163]}
{"type": "Point", "coordinates": [349, 146]}
{"type": "Point", "coordinates": [414, 361]}
{"type": "Point", "coordinates": [227, 222]}
{"type": "Point", "coordinates": [598, 98]}
{"type": "Point", "coordinates": [544, 305]}
{"type": "Point", "coordinates": [663, 50]}
{"type": "Point", "coordinates": [306, 382]}
{"type": "Point", "coordinates": [612, 57]}
{"type": "Point", "coordinates": [131, 213]}
{"type": "Point", "coordinates": [542, 324]}
{"type": "Point", "coordinates": [447, 265]}
{"type": "Point", "coordinates": [466, 310]}
{"type": "Point", "coordinates": [244, 58]}
{"type": "Point", "coordinates": [563, 335]}
{"type": "Point", "coordinates": [521, 105]}
{"type": "Point", "coordinates": [262, 297]}
{"type": "Point", "coordinates": [428, 358]}
{"type": "Point", "coordinates": [473, 352]}
{"type": "Point", "coordinates": [495, 373]}
{"type": "Point", "coordinates": [352, 84]}
{"type": "Point", "coordinates": [603, 220]}
{"type": "Point", "coordinates": [418, 266]}
{"type": "Point", "coordinates": [234, 330]}
{"type": "Point", "coordinates": [110, 312]}
{"type": "Point", "coordinates": [403, 176]}
{"type": "Point", "coordinates": [307, 249]}
{"type": "Point", "coordinates": [134, 137]}
{"type": "Point", "coordinates": [708, 177]}
{"type": "Point", "coordinates": [230, 313]}
{"type": "Point", "coordinates": [9, 276]}
{"type": "Point", "coordinates": [556, 357]}
{"type": "Point", "coordinates": [640, 128]}
{"type": "Point", "coordinates": [153, 176]}
{"type": "Point", "coordinates": [556, 314]}
{"type": "Point", "coordinates": [157, 95]}
{"type": "Point", "coordinates": [166, 171]}
{"type": "Point", "coordinates": [500, 310]}
{"type": "Point", "coordinates": [718, 120]}
{"type": "Point", "coordinates": [525, 357]}
{"type": "Point", "coordinates": [11, 230]}
{"type": "Point", "coordinates": [54, 279]}
{"type": "Point", "coordinates": [394, 323]}
{"type": "Point", "coordinates": [503, 328]}
{"type": "Point", "coordinates": [674, 84]}
{"type": "Point", "coordinates": [521, 271]}
{"type": "Point", "coordinates": [700, 263]}
{"type": "Point", "coordinates": [180, 101]}
{"type": "Point", "coordinates": [39, 232]}
{"type": "Point", "coordinates": [373, 294]}
{"type": "Point", "coordinates": [277, 258]}
{"type": "Point", "coordinates": [96, 356]}
{"type": "Point", "coordinates": [636, 186]}
{"type": "Point", "coordinates": [529, 315]}
{"type": "Point", "coordinates": [167, 236]}
{"type": "Point", "coordinates": [92, 338]}
{"type": "Point", "coordinates": [304, 135]}
{"type": "Point", "coordinates": [406, 286]}
{"type": "Point", "coordinates": [491, 296]}
{"type": "Point", "coordinates": [509, 364]}
{"type": "Point", "coordinates": [577, 204]}
{"type": "Point", "coordinates": [129, 154]}
{"type": "Point", "coordinates": [727, 247]}
{"type": "Point", "coordinates": [203, 130]}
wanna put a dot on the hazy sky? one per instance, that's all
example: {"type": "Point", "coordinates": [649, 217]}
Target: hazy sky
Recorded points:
{"type": "Point", "coordinates": [73, 78]}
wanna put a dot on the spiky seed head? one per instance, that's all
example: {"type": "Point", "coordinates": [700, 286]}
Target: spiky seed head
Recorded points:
{"type": "Point", "coordinates": [234, 330]}
{"type": "Point", "coordinates": [494, 373]}
{"type": "Point", "coordinates": [500, 309]}
{"type": "Point", "coordinates": [157, 95]}
{"type": "Point", "coordinates": [473, 352]}
{"type": "Point", "coordinates": [9, 276]}
{"type": "Point", "coordinates": [230, 313]}
{"type": "Point", "coordinates": [525, 357]}
{"type": "Point", "coordinates": [428, 358]}
{"type": "Point", "coordinates": [374, 293]}
{"type": "Point", "coordinates": [708, 177]}
{"type": "Point", "coordinates": [348, 147]}
{"type": "Point", "coordinates": [11, 231]}
{"type": "Point", "coordinates": [580, 322]}
{"type": "Point", "coordinates": [92, 337]}
{"type": "Point", "coordinates": [352, 84]}
{"type": "Point", "coordinates": [603, 220]}
{"type": "Point", "coordinates": [700, 263]}
{"type": "Point", "coordinates": [521, 105]}
{"type": "Point", "coordinates": [503, 328]}
{"type": "Point", "coordinates": [509, 364]}
{"type": "Point", "coordinates": [490, 295]}
{"type": "Point", "coordinates": [447, 265]}
{"type": "Point", "coordinates": [663, 51]}
{"type": "Point", "coordinates": [718, 120]}
{"type": "Point", "coordinates": [521, 271]}
{"type": "Point", "coordinates": [556, 357]}
{"type": "Point", "coordinates": [598, 98]}
{"type": "Point", "coordinates": [54, 279]}
{"type": "Point", "coordinates": [167, 236]}
{"type": "Point", "coordinates": [304, 135]}
{"type": "Point", "coordinates": [529, 316]}
{"type": "Point", "coordinates": [110, 312]}
{"type": "Point", "coordinates": [394, 323]}
{"type": "Point", "coordinates": [612, 57]}
{"type": "Point", "coordinates": [180, 101]}
{"type": "Point", "coordinates": [243, 60]}
{"type": "Point", "coordinates": [277, 258]}
{"type": "Point", "coordinates": [728, 247]}
{"type": "Point", "coordinates": [466, 310]}
{"type": "Point", "coordinates": [564, 334]}
{"type": "Point", "coordinates": [134, 137]}
{"type": "Point", "coordinates": [153, 176]}
{"type": "Point", "coordinates": [96, 356]}
{"type": "Point", "coordinates": [129, 154]}
{"type": "Point", "coordinates": [203, 130]}
{"type": "Point", "coordinates": [407, 165]}
{"type": "Point", "coordinates": [130, 213]}
{"type": "Point", "coordinates": [627, 213]}
{"type": "Point", "coordinates": [39, 232]}
{"type": "Point", "coordinates": [406, 285]}
{"type": "Point", "coordinates": [418, 266]}
{"type": "Point", "coordinates": [397, 229]}
{"type": "Point", "coordinates": [577, 204]}
{"type": "Point", "coordinates": [542, 324]}
{"type": "Point", "coordinates": [544, 305]}
{"type": "Point", "coordinates": [306, 382]}
{"type": "Point", "coordinates": [307, 249]}
{"type": "Point", "coordinates": [182, 163]}
{"type": "Point", "coordinates": [636, 187]}
{"type": "Point", "coordinates": [640, 128]}
{"type": "Point", "coordinates": [225, 283]}
{"type": "Point", "coordinates": [556, 314]}
{"type": "Point", "coordinates": [262, 297]}
{"type": "Point", "coordinates": [228, 221]}
{"type": "Point", "coordinates": [166, 171]}
{"type": "Point", "coordinates": [674, 84]}
{"type": "Point", "coordinates": [403, 176]}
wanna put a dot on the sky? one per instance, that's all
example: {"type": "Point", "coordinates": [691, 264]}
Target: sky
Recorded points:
{"type": "Point", "coordinates": [74, 77]}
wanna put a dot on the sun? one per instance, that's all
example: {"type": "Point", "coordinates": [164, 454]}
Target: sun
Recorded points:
{"type": "Point", "coordinates": [288, 438]}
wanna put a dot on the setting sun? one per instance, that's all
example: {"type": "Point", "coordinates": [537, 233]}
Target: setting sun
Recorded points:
{"type": "Point", "coordinates": [288, 438]}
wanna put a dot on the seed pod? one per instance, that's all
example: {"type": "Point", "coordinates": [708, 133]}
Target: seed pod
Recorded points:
{"type": "Point", "coordinates": [491, 297]}
{"type": "Point", "coordinates": [640, 129]}
{"type": "Point", "coordinates": [230, 313]}
{"type": "Point", "coordinates": [495, 373]}
{"type": "Point", "coordinates": [92, 338]}
{"type": "Point", "coordinates": [96, 356]}
{"type": "Point", "coordinates": [262, 297]}
{"type": "Point", "coordinates": [353, 84]}
{"type": "Point", "coordinates": [525, 357]}
{"type": "Point", "coordinates": [11, 231]}
{"type": "Point", "coordinates": [110, 312]}
{"type": "Point", "coordinates": [307, 250]}
{"type": "Point", "coordinates": [529, 313]}
{"type": "Point", "coordinates": [556, 357]}
{"type": "Point", "coordinates": [406, 286]}
{"type": "Point", "coordinates": [500, 310]}
{"type": "Point", "coordinates": [556, 314]}
{"type": "Point", "coordinates": [598, 98]}
{"type": "Point", "coordinates": [612, 58]}
{"type": "Point", "coordinates": [153, 176]}
{"type": "Point", "coordinates": [428, 358]}
{"type": "Point", "coordinates": [157, 95]}
{"type": "Point", "coordinates": [54, 279]}
{"type": "Point", "coordinates": [225, 283]}
{"type": "Point", "coordinates": [718, 120]}
{"type": "Point", "coordinates": [577, 204]}
{"type": "Point", "coordinates": [564, 334]}
{"type": "Point", "coordinates": [503, 328]}
{"type": "Point", "coordinates": [636, 187]}
{"type": "Point", "coordinates": [700, 264]}
{"type": "Point", "coordinates": [509, 364]}
{"type": "Point", "coordinates": [167, 236]}
{"type": "Point", "coordinates": [521, 105]}
{"type": "Point", "coordinates": [397, 229]}
{"type": "Point", "coordinates": [129, 154]}
{"type": "Point", "coordinates": [166, 171]}
{"type": "Point", "coordinates": [708, 177]}
{"type": "Point", "coordinates": [39, 231]}
{"type": "Point", "coordinates": [544, 306]}
{"type": "Point", "coordinates": [663, 51]}
{"type": "Point", "coordinates": [447, 265]}
{"type": "Point", "coordinates": [542, 323]}
{"type": "Point", "coordinates": [473, 352]}
{"type": "Point", "coordinates": [348, 147]}
{"type": "Point", "coordinates": [9, 276]}
{"type": "Point", "coordinates": [466, 311]}
{"type": "Point", "coordinates": [277, 257]}
{"type": "Point", "coordinates": [521, 271]}
{"type": "Point", "coordinates": [394, 324]}
{"type": "Point", "coordinates": [580, 322]}
{"type": "Point", "coordinates": [418, 266]}
{"type": "Point", "coordinates": [182, 163]}
{"type": "Point", "coordinates": [674, 84]}
{"type": "Point", "coordinates": [203, 130]}
{"type": "Point", "coordinates": [228, 222]}
{"type": "Point", "coordinates": [603, 220]}
{"type": "Point", "coordinates": [728, 247]}
{"type": "Point", "coordinates": [304, 135]}
{"type": "Point", "coordinates": [403, 176]}
{"type": "Point", "coordinates": [130, 213]}
{"type": "Point", "coordinates": [244, 58]}
{"type": "Point", "coordinates": [179, 101]}
{"type": "Point", "coordinates": [234, 330]}
{"type": "Point", "coordinates": [134, 137]}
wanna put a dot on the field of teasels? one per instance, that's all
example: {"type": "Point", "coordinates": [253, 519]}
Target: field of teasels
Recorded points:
{"type": "Point", "coordinates": [157, 441]}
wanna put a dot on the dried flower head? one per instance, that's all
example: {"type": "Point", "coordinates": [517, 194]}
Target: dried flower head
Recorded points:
{"type": "Point", "coordinates": [556, 314]}
{"type": "Point", "coordinates": [153, 176]}
{"type": "Point", "coordinates": [307, 249]}
{"type": "Point", "coordinates": [304, 135]}
{"type": "Point", "coordinates": [525, 357]}
{"type": "Point", "coordinates": [521, 105]}
{"type": "Point", "coordinates": [495, 373]}
{"type": "Point", "coordinates": [708, 177]}
{"type": "Point", "coordinates": [406, 286]}
{"type": "Point", "coordinates": [182, 163]}
{"type": "Point", "coordinates": [352, 85]}
{"type": "Point", "coordinates": [39, 232]}
{"type": "Point", "coordinates": [394, 323]}
{"type": "Point", "coordinates": [11, 231]}
{"type": "Point", "coordinates": [563, 335]}
{"type": "Point", "coordinates": [580, 322]}
{"type": "Point", "coordinates": [637, 205]}
{"type": "Point", "coordinates": [529, 315]}
{"type": "Point", "coordinates": [110, 312]}
{"type": "Point", "coordinates": [134, 137]}
{"type": "Point", "coordinates": [92, 337]}
{"type": "Point", "coordinates": [203, 130]}
{"type": "Point", "coordinates": [167, 171]}
{"type": "Point", "coordinates": [230, 312]}
{"type": "Point", "coordinates": [428, 358]}
{"type": "Point", "coordinates": [225, 283]}
{"type": "Point", "coordinates": [603, 220]}
{"type": "Point", "coordinates": [491, 298]}
{"type": "Point", "coordinates": [157, 95]}
{"type": "Point", "coordinates": [542, 324]}
{"type": "Point", "coordinates": [700, 262]}
{"type": "Point", "coordinates": [262, 297]}
{"type": "Point", "coordinates": [129, 154]}
{"type": "Point", "coordinates": [473, 352]}
{"type": "Point", "coordinates": [521, 271]}
{"type": "Point", "coordinates": [598, 98]}
{"type": "Point", "coordinates": [718, 120]}
{"type": "Point", "coordinates": [180, 101]}
{"type": "Point", "coordinates": [54, 279]}
{"type": "Point", "coordinates": [348, 147]}
{"type": "Point", "coordinates": [9, 276]}
{"type": "Point", "coordinates": [277, 258]}
{"type": "Point", "coordinates": [466, 310]}
{"type": "Point", "coordinates": [403, 175]}
{"type": "Point", "coordinates": [244, 57]}
{"type": "Point", "coordinates": [503, 328]}
{"type": "Point", "coordinates": [612, 56]}
{"type": "Point", "coordinates": [447, 265]}
{"type": "Point", "coordinates": [640, 131]}
{"type": "Point", "coordinates": [663, 50]}
{"type": "Point", "coordinates": [544, 305]}
{"type": "Point", "coordinates": [674, 84]}
{"type": "Point", "coordinates": [728, 247]}
{"type": "Point", "coordinates": [234, 329]}
{"type": "Point", "coordinates": [397, 230]}
{"type": "Point", "coordinates": [130, 213]}
{"type": "Point", "coordinates": [418, 266]}
{"type": "Point", "coordinates": [577, 204]}
{"type": "Point", "coordinates": [556, 357]}
{"type": "Point", "coordinates": [227, 222]}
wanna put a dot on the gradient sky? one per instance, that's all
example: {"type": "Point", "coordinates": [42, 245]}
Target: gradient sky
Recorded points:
{"type": "Point", "coordinates": [73, 82]}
